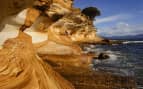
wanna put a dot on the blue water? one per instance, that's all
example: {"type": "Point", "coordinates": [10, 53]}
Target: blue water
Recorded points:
{"type": "Point", "coordinates": [125, 59]}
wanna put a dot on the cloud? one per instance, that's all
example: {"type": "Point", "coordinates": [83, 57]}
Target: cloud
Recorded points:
{"type": "Point", "coordinates": [112, 18]}
{"type": "Point", "coordinates": [141, 12]}
{"type": "Point", "coordinates": [122, 29]}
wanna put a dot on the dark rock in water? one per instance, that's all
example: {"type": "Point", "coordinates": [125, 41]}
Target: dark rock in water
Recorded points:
{"type": "Point", "coordinates": [112, 42]}
{"type": "Point", "coordinates": [103, 56]}
{"type": "Point", "coordinates": [140, 82]}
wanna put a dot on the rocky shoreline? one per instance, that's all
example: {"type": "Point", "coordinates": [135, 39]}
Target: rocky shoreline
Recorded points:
{"type": "Point", "coordinates": [58, 61]}
{"type": "Point", "coordinates": [86, 78]}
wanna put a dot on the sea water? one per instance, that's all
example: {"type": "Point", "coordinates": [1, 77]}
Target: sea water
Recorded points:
{"type": "Point", "coordinates": [125, 59]}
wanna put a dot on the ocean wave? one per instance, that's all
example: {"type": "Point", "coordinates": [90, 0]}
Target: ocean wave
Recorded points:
{"type": "Point", "coordinates": [113, 56]}
{"type": "Point", "coordinates": [132, 42]}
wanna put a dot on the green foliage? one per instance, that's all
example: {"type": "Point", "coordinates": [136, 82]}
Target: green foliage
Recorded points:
{"type": "Point", "coordinates": [91, 12]}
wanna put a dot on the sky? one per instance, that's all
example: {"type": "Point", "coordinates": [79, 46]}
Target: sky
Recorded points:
{"type": "Point", "coordinates": [118, 17]}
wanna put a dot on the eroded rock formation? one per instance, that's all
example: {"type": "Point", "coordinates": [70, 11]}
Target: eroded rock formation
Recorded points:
{"type": "Point", "coordinates": [60, 29]}
{"type": "Point", "coordinates": [22, 68]}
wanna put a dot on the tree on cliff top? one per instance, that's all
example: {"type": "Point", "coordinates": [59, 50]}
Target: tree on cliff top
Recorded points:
{"type": "Point", "coordinates": [91, 12]}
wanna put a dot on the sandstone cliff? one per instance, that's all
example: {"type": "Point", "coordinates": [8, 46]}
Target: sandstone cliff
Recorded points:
{"type": "Point", "coordinates": [55, 32]}
{"type": "Point", "coordinates": [22, 68]}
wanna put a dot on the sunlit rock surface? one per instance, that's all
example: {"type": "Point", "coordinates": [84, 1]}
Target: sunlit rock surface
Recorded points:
{"type": "Point", "coordinates": [56, 36]}
{"type": "Point", "coordinates": [21, 68]}
{"type": "Point", "coordinates": [11, 31]}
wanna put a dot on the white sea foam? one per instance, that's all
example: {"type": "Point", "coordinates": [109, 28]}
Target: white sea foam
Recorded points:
{"type": "Point", "coordinates": [129, 42]}
{"type": "Point", "coordinates": [113, 57]}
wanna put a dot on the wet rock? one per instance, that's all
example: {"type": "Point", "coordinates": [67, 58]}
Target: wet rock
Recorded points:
{"type": "Point", "coordinates": [103, 56]}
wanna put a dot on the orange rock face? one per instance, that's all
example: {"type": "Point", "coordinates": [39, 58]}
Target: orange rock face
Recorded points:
{"type": "Point", "coordinates": [21, 68]}
{"type": "Point", "coordinates": [60, 29]}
